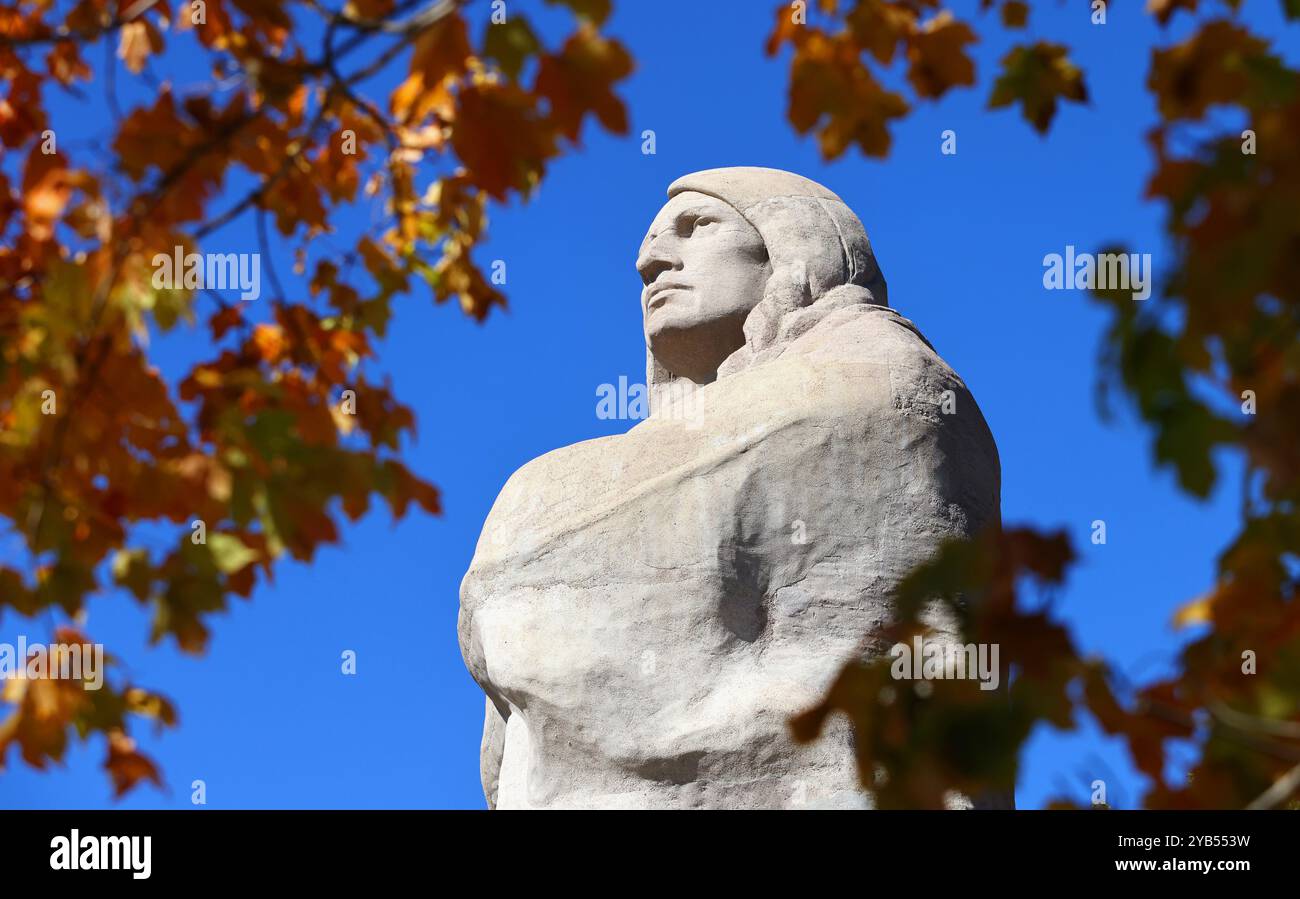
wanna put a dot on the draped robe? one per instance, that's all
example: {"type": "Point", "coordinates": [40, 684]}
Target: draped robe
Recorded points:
{"type": "Point", "coordinates": [646, 611]}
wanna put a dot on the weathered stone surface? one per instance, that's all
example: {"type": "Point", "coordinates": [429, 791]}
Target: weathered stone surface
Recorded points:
{"type": "Point", "coordinates": [646, 611]}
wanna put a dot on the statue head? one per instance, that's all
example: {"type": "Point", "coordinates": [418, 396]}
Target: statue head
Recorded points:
{"type": "Point", "coordinates": [733, 254]}
{"type": "Point", "coordinates": [704, 267]}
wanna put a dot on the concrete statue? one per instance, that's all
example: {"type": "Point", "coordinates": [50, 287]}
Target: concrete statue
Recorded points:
{"type": "Point", "coordinates": [646, 611]}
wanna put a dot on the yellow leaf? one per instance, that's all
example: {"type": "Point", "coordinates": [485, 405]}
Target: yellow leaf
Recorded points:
{"type": "Point", "coordinates": [1198, 611]}
{"type": "Point", "coordinates": [138, 40]}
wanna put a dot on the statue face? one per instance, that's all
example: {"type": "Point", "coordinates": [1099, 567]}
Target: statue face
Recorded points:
{"type": "Point", "coordinates": [704, 269]}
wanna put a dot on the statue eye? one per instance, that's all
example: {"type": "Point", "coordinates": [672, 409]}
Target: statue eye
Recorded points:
{"type": "Point", "coordinates": [703, 221]}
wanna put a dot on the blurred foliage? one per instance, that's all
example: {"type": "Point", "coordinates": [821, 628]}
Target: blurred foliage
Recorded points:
{"type": "Point", "coordinates": [1210, 363]}
{"type": "Point", "coordinates": [256, 441]}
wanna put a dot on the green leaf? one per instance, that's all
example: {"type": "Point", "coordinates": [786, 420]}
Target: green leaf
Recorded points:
{"type": "Point", "coordinates": [1035, 76]}
{"type": "Point", "coordinates": [131, 570]}
{"type": "Point", "coordinates": [594, 11]}
{"type": "Point", "coordinates": [510, 44]}
{"type": "Point", "coordinates": [230, 553]}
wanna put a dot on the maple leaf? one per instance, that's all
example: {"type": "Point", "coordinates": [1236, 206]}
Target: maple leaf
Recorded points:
{"type": "Point", "coordinates": [1220, 64]}
{"type": "Point", "coordinates": [580, 79]}
{"type": "Point", "coordinates": [137, 41]}
{"type": "Point", "coordinates": [500, 137]}
{"type": "Point", "coordinates": [937, 59]}
{"type": "Point", "coordinates": [510, 44]}
{"type": "Point", "coordinates": [126, 765]}
{"type": "Point", "coordinates": [47, 187]}
{"type": "Point", "coordinates": [831, 92]}
{"type": "Point", "coordinates": [1036, 76]}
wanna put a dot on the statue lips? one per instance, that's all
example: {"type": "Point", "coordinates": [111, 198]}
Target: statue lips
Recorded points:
{"type": "Point", "coordinates": [656, 294]}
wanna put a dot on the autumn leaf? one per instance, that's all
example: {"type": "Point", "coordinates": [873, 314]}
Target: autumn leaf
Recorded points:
{"type": "Point", "coordinates": [1198, 611]}
{"type": "Point", "coordinates": [442, 51]}
{"type": "Point", "coordinates": [137, 41]}
{"type": "Point", "coordinates": [1036, 76]}
{"type": "Point", "coordinates": [510, 44]}
{"type": "Point", "coordinates": [595, 11]}
{"type": "Point", "coordinates": [47, 188]}
{"type": "Point", "coordinates": [1164, 10]}
{"type": "Point", "coordinates": [937, 58]}
{"type": "Point", "coordinates": [500, 137]}
{"type": "Point", "coordinates": [1221, 64]}
{"type": "Point", "coordinates": [1015, 14]}
{"type": "Point", "coordinates": [229, 553]}
{"type": "Point", "coordinates": [829, 92]}
{"type": "Point", "coordinates": [126, 765]}
{"type": "Point", "coordinates": [880, 28]}
{"type": "Point", "coordinates": [580, 79]}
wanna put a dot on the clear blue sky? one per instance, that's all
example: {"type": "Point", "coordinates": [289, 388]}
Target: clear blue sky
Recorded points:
{"type": "Point", "coordinates": [268, 720]}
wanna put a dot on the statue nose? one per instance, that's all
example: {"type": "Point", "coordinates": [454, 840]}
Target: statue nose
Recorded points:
{"type": "Point", "coordinates": [655, 260]}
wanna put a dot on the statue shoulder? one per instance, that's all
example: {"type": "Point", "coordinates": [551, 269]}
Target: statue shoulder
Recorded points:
{"type": "Point", "coordinates": [882, 360]}
{"type": "Point", "coordinates": [867, 333]}
{"type": "Point", "coordinates": [537, 487]}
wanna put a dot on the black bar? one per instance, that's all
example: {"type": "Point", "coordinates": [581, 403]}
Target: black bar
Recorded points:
{"type": "Point", "coordinates": [452, 850]}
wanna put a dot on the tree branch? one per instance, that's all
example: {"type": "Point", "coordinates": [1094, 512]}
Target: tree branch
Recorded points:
{"type": "Point", "coordinates": [62, 35]}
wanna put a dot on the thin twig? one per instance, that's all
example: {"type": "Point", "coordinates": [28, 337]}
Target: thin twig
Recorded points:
{"type": "Point", "coordinates": [1283, 787]}
{"type": "Point", "coordinates": [265, 246]}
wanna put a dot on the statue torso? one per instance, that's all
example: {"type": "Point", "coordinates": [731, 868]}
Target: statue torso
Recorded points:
{"type": "Point", "coordinates": [650, 608]}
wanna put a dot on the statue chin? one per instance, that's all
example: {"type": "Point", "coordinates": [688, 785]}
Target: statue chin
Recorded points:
{"type": "Point", "coordinates": [695, 350]}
